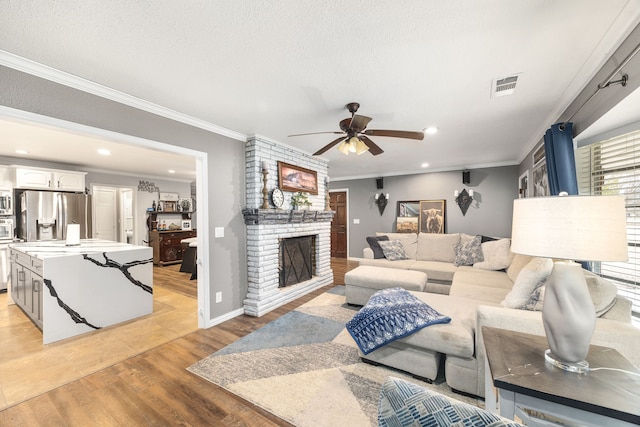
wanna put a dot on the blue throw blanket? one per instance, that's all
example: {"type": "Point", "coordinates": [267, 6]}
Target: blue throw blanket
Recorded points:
{"type": "Point", "coordinates": [390, 314]}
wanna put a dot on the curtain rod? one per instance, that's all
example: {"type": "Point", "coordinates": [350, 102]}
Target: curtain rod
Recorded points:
{"type": "Point", "coordinates": [607, 82]}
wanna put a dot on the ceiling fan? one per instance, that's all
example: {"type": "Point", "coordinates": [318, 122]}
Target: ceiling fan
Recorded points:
{"type": "Point", "coordinates": [355, 135]}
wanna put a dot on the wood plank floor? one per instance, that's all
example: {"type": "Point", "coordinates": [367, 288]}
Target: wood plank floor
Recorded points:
{"type": "Point", "coordinates": [154, 388]}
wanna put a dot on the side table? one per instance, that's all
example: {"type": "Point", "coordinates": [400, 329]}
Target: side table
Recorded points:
{"type": "Point", "coordinates": [542, 395]}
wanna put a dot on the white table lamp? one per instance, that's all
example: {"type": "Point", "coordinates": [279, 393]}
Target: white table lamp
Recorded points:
{"type": "Point", "coordinates": [584, 228]}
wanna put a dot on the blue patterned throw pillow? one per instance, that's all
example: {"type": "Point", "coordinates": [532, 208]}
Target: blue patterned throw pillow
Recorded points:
{"type": "Point", "coordinates": [469, 252]}
{"type": "Point", "coordinates": [393, 250]}
{"type": "Point", "coordinates": [404, 404]}
{"type": "Point", "coordinates": [388, 315]}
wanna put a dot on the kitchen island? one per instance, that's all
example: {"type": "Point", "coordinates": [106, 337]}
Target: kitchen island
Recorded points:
{"type": "Point", "coordinates": [71, 290]}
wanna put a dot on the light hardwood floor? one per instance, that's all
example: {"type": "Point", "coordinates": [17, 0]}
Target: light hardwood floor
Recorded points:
{"type": "Point", "coordinates": [137, 375]}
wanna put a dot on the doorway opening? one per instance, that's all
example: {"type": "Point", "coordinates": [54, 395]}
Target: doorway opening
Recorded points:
{"type": "Point", "coordinates": [112, 210]}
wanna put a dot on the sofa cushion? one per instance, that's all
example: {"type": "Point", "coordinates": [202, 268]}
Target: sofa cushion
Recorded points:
{"type": "Point", "coordinates": [530, 277]}
{"type": "Point", "coordinates": [518, 262]}
{"type": "Point", "coordinates": [486, 286]}
{"type": "Point", "coordinates": [374, 244]}
{"type": "Point", "coordinates": [497, 255]}
{"type": "Point", "coordinates": [468, 251]}
{"type": "Point", "coordinates": [437, 247]}
{"type": "Point", "coordinates": [438, 271]}
{"type": "Point", "coordinates": [409, 242]}
{"type": "Point", "coordinates": [393, 250]}
{"type": "Point", "coordinates": [404, 264]}
{"type": "Point", "coordinates": [454, 338]}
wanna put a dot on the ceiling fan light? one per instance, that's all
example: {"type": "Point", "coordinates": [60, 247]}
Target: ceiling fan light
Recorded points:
{"type": "Point", "coordinates": [353, 144]}
{"type": "Point", "coordinates": [361, 147]}
{"type": "Point", "coordinates": [344, 148]}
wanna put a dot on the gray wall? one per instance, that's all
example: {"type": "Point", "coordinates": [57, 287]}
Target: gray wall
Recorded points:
{"type": "Point", "coordinates": [490, 214]}
{"type": "Point", "coordinates": [227, 258]}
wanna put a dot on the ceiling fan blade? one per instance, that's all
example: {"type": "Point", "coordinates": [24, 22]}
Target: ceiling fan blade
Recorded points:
{"type": "Point", "coordinates": [395, 133]}
{"type": "Point", "coordinates": [329, 145]}
{"type": "Point", "coordinates": [358, 123]}
{"type": "Point", "coordinates": [316, 133]}
{"type": "Point", "coordinates": [373, 147]}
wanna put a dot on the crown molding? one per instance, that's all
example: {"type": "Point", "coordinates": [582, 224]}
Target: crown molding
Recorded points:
{"type": "Point", "coordinates": [48, 73]}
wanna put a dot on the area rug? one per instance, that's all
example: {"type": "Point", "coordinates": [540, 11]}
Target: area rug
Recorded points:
{"type": "Point", "coordinates": [304, 367]}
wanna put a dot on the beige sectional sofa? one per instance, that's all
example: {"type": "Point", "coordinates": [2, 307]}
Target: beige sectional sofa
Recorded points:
{"type": "Point", "coordinates": [472, 295]}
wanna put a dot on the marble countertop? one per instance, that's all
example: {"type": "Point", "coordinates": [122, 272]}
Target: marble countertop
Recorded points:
{"type": "Point", "coordinates": [52, 248]}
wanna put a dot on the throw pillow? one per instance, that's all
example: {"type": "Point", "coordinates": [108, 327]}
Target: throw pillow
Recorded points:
{"type": "Point", "coordinates": [405, 404]}
{"type": "Point", "coordinates": [393, 250]}
{"type": "Point", "coordinates": [409, 242]}
{"type": "Point", "coordinates": [496, 255]}
{"type": "Point", "coordinates": [518, 263]}
{"type": "Point", "coordinates": [375, 246]}
{"type": "Point", "coordinates": [530, 277]}
{"type": "Point", "coordinates": [536, 300]}
{"type": "Point", "coordinates": [468, 252]}
{"type": "Point", "coordinates": [603, 292]}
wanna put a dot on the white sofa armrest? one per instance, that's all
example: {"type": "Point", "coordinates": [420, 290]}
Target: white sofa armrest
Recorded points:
{"type": "Point", "coordinates": [367, 253]}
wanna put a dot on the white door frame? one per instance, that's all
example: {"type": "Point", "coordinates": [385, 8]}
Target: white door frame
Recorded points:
{"type": "Point", "coordinates": [202, 192]}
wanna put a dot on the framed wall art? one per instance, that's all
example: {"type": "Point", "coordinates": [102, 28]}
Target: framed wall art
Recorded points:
{"type": "Point", "coordinates": [432, 216]}
{"type": "Point", "coordinates": [538, 155]}
{"type": "Point", "coordinates": [523, 185]}
{"type": "Point", "coordinates": [186, 224]}
{"type": "Point", "coordinates": [407, 216]}
{"type": "Point", "coordinates": [540, 180]}
{"type": "Point", "coordinates": [295, 178]}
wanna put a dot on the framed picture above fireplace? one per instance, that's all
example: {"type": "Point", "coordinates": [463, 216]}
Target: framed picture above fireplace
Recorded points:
{"type": "Point", "coordinates": [296, 178]}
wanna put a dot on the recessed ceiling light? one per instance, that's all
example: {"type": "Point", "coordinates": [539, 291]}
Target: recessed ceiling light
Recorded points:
{"type": "Point", "coordinates": [424, 165]}
{"type": "Point", "coordinates": [104, 152]}
{"type": "Point", "coordinates": [22, 152]}
{"type": "Point", "coordinates": [431, 130]}
{"type": "Point", "coordinates": [172, 171]}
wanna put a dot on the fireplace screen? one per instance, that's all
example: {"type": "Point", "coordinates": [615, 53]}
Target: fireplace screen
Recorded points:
{"type": "Point", "coordinates": [297, 259]}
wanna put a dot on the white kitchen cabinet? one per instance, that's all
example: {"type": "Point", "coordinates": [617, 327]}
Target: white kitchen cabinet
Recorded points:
{"type": "Point", "coordinates": [69, 181]}
{"type": "Point", "coordinates": [27, 285]}
{"type": "Point", "coordinates": [49, 179]}
{"type": "Point", "coordinates": [6, 178]}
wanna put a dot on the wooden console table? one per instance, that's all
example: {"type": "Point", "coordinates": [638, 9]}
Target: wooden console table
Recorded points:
{"type": "Point", "coordinates": [166, 245]}
{"type": "Point", "coordinates": [541, 394]}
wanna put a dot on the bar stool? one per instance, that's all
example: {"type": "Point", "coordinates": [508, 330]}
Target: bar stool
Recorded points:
{"type": "Point", "coordinates": [189, 255]}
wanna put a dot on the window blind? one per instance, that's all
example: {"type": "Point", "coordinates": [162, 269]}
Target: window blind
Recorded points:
{"type": "Point", "coordinates": [613, 167]}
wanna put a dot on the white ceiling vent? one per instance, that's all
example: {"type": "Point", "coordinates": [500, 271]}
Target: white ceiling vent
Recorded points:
{"type": "Point", "coordinates": [503, 86]}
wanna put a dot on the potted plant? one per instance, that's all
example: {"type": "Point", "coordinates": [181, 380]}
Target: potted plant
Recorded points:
{"type": "Point", "coordinates": [300, 200]}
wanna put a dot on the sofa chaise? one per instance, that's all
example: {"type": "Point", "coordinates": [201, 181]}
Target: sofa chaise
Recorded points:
{"type": "Point", "coordinates": [496, 288]}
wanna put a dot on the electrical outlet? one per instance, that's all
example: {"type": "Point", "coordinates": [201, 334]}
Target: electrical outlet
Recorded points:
{"type": "Point", "coordinates": [218, 297]}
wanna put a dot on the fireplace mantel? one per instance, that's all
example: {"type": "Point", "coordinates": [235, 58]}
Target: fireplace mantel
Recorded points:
{"type": "Point", "coordinates": [280, 216]}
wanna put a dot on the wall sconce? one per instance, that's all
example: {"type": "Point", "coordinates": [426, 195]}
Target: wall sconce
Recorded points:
{"type": "Point", "coordinates": [463, 199]}
{"type": "Point", "coordinates": [381, 201]}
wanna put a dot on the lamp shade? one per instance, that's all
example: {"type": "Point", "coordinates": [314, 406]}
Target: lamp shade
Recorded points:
{"type": "Point", "coordinates": [585, 228]}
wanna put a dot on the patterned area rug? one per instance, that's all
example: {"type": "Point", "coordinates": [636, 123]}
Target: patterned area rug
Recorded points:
{"type": "Point", "coordinates": [304, 367]}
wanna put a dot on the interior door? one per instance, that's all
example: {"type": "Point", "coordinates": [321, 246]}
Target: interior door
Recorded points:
{"type": "Point", "coordinates": [338, 203]}
{"type": "Point", "coordinates": [106, 213]}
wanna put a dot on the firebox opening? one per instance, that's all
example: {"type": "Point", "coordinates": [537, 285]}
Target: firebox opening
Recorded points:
{"type": "Point", "coordinates": [297, 260]}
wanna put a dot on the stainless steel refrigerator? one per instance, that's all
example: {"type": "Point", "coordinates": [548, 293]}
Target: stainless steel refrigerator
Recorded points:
{"type": "Point", "coordinates": [44, 215]}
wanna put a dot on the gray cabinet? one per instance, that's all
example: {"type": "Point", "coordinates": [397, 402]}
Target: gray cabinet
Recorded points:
{"type": "Point", "coordinates": [27, 285]}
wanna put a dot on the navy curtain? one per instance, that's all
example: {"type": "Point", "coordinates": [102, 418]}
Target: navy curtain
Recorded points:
{"type": "Point", "coordinates": [561, 163]}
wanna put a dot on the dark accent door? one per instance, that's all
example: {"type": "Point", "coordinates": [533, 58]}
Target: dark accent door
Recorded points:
{"type": "Point", "coordinates": [338, 202]}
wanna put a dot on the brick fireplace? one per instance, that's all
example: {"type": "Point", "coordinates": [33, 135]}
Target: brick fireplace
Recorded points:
{"type": "Point", "coordinates": [266, 228]}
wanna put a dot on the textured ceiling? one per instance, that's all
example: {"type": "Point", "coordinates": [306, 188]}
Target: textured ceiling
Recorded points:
{"type": "Point", "coordinates": [284, 67]}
